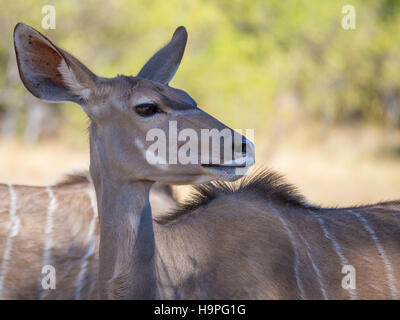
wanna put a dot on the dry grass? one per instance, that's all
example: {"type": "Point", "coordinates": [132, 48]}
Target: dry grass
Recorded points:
{"type": "Point", "coordinates": [337, 166]}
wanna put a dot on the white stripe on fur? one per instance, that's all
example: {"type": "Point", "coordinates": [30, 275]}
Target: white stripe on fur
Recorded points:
{"type": "Point", "coordinates": [53, 205]}
{"type": "Point", "coordinates": [92, 245]}
{"type": "Point", "coordinates": [316, 269]}
{"type": "Point", "coordinates": [382, 253]}
{"type": "Point", "coordinates": [296, 254]}
{"type": "Point", "coordinates": [13, 229]}
{"type": "Point", "coordinates": [336, 246]}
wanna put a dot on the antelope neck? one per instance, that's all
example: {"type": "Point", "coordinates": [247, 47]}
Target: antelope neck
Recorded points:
{"type": "Point", "coordinates": [127, 244]}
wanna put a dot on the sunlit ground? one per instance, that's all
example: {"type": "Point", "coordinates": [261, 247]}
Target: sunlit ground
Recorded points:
{"type": "Point", "coordinates": [338, 166]}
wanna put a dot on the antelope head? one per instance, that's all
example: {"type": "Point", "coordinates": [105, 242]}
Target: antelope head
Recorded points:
{"type": "Point", "coordinates": [130, 114]}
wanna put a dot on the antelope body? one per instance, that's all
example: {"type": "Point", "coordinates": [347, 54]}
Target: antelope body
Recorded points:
{"type": "Point", "coordinates": [253, 239]}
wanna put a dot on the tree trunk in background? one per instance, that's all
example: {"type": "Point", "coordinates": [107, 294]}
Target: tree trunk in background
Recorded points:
{"type": "Point", "coordinates": [42, 120]}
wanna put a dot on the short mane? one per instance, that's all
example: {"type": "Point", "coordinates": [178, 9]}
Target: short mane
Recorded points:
{"type": "Point", "coordinates": [78, 177]}
{"type": "Point", "coordinates": [267, 184]}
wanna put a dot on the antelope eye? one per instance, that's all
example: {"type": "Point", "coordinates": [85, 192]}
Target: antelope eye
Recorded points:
{"type": "Point", "coordinates": [147, 109]}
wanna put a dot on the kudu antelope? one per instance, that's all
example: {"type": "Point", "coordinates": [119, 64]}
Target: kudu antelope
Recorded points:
{"type": "Point", "coordinates": [257, 238]}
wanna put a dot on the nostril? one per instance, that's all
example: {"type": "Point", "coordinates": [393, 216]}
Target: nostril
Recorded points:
{"type": "Point", "coordinates": [243, 150]}
{"type": "Point", "coordinates": [244, 144]}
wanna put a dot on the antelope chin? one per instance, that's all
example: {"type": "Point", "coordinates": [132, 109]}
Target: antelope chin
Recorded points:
{"type": "Point", "coordinates": [232, 169]}
{"type": "Point", "coordinates": [227, 173]}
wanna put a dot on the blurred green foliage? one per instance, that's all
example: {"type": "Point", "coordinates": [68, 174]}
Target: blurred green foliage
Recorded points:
{"type": "Point", "coordinates": [245, 59]}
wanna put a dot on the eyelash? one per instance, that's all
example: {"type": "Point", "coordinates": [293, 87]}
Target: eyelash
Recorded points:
{"type": "Point", "coordinates": [147, 109]}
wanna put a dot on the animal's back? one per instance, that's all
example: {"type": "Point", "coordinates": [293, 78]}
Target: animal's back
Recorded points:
{"type": "Point", "coordinates": [55, 226]}
{"type": "Point", "coordinates": [270, 244]}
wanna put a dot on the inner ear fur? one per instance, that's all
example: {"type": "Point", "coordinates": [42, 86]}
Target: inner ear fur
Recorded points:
{"type": "Point", "coordinates": [47, 71]}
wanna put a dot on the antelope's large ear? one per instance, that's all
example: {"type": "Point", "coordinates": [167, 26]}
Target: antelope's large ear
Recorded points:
{"type": "Point", "coordinates": [49, 72]}
{"type": "Point", "coordinates": [164, 64]}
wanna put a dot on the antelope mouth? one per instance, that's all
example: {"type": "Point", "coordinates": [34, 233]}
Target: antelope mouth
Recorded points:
{"type": "Point", "coordinates": [237, 163]}
{"type": "Point", "coordinates": [223, 166]}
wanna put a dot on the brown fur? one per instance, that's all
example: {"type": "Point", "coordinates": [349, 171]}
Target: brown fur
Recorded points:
{"type": "Point", "coordinates": [71, 226]}
{"type": "Point", "coordinates": [236, 247]}
{"type": "Point", "coordinates": [226, 215]}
